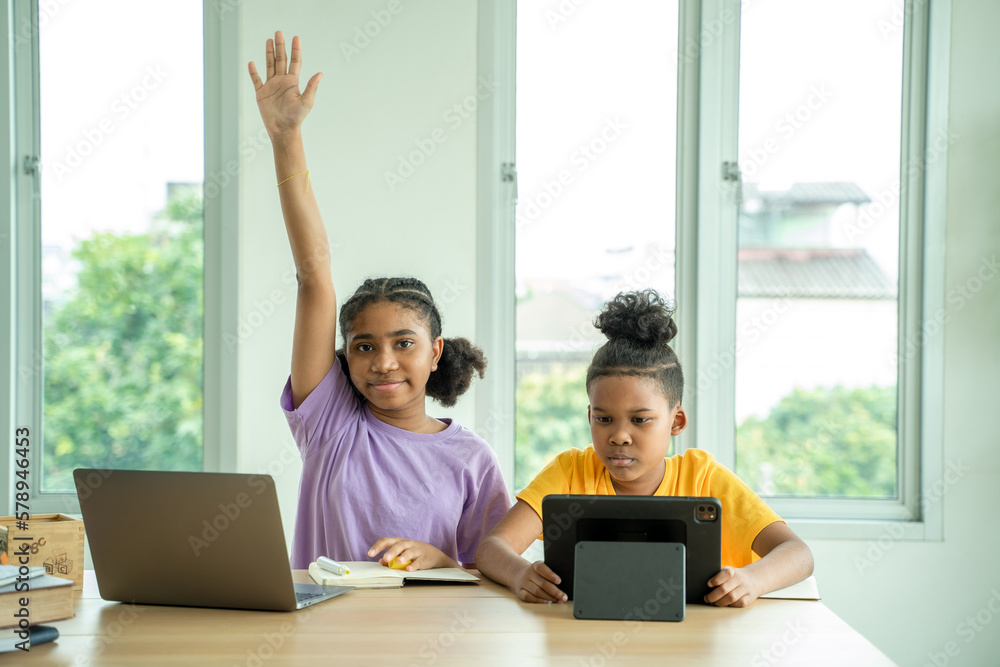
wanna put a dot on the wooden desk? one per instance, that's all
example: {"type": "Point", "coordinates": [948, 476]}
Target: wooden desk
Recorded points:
{"type": "Point", "coordinates": [447, 625]}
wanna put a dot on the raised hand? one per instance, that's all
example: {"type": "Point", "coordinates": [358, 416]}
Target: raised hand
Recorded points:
{"type": "Point", "coordinates": [282, 107]}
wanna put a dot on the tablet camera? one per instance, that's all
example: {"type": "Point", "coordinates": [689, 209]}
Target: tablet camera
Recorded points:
{"type": "Point", "coordinates": [707, 513]}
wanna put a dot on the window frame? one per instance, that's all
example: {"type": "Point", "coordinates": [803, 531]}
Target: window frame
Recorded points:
{"type": "Point", "coordinates": [496, 200]}
{"type": "Point", "coordinates": [707, 213]}
{"type": "Point", "coordinates": [20, 299]}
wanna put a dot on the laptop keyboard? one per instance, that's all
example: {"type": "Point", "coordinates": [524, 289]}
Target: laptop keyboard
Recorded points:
{"type": "Point", "coordinates": [302, 597]}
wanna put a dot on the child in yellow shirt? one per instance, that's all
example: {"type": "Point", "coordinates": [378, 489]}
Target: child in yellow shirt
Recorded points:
{"type": "Point", "coordinates": [635, 384]}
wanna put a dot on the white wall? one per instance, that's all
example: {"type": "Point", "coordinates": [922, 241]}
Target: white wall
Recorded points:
{"type": "Point", "coordinates": [916, 596]}
{"type": "Point", "coordinates": [370, 109]}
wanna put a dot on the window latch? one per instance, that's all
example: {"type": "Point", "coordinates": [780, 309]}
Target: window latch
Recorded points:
{"type": "Point", "coordinates": [32, 165]}
{"type": "Point", "coordinates": [731, 174]}
{"type": "Point", "coordinates": [508, 174]}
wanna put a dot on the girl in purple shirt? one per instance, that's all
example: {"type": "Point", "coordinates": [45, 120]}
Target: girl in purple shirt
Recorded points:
{"type": "Point", "coordinates": [376, 466]}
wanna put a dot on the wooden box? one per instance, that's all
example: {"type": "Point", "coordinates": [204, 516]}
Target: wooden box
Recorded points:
{"type": "Point", "coordinates": [56, 544]}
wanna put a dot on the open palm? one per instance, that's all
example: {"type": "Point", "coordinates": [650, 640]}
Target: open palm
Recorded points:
{"type": "Point", "coordinates": [281, 105]}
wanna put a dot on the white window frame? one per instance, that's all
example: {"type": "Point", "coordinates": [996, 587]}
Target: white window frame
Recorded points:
{"type": "Point", "coordinates": [20, 244]}
{"type": "Point", "coordinates": [707, 213]}
{"type": "Point", "coordinates": [496, 200]}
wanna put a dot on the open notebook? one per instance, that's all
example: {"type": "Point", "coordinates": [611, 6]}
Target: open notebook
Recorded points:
{"type": "Point", "coordinates": [371, 574]}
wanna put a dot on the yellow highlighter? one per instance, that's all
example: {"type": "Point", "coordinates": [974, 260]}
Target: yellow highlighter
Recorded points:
{"type": "Point", "coordinates": [332, 566]}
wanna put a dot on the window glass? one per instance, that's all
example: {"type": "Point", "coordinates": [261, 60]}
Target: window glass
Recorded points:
{"type": "Point", "coordinates": [819, 149]}
{"type": "Point", "coordinates": [121, 106]}
{"type": "Point", "coordinates": [595, 143]}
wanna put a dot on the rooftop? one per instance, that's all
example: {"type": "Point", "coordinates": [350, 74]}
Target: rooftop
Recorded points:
{"type": "Point", "coordinates": [805, 194]}
{"type": "Point", "coordinates": [812, 273]}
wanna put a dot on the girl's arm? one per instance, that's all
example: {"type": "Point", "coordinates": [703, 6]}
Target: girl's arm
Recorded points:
{"type": "Point", "coordinates": [283, 109]}
{"type": "Point", "coordinates": [784, 560]}
{"type": "Point", "coordinates": [498, 557]}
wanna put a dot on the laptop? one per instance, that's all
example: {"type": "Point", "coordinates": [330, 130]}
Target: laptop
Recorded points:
{"type": "Point", "coordinates": [192, 539]}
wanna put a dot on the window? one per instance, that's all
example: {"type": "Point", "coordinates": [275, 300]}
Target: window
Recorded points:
{"type": "Point", "coordinates": [808, 178]}
{"type": "Point", "coordinates": [595, 214]}
{"type": "Point", "coordinates": [818, 249]}
{"type": "Point", "coordinates": [109, 339]}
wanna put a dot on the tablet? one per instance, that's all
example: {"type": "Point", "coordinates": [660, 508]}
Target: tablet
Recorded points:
{"type": "Point", "coordinates": [695, 522]}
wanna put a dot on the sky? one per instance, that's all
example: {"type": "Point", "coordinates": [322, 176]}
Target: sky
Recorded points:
{"type": "Point", "coordinates": [596, 118]}
{"type": "Point", "coordinates": [122, 106]}
{"type": "Point", "coordinates": [814, 106]}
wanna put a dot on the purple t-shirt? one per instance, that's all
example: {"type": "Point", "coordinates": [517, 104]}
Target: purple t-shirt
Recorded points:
{"type": "Point", "coordinates": [363, 479]}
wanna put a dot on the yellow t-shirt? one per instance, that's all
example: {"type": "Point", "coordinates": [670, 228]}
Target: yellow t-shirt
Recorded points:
{"type": "Point", "coordinates": [693, 473]}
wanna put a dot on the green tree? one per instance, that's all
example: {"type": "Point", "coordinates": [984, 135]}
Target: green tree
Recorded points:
{"type": "Point", "coordinates": [824, 442]}
{"type": "Point", "coordinates": [551, 417]}
{"type": "Point", "coordinates": [123, 356]}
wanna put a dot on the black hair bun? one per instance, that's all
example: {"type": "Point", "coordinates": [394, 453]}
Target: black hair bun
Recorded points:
{"type": "Point", "coordinates": [643, 318]}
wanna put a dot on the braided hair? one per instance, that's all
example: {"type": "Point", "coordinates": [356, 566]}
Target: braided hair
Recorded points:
{"type": "Point", "coordinates": [459, 359]}
{"type": "Point", "coordinates": [639, 326]}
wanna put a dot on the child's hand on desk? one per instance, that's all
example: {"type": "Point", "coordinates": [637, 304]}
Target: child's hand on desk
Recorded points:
{"type": "Point", "coordinates": [784, 560]}
{"type": "Point", "coordinates": [417, 555]}
{"type": "Point", "coordinates": [732, 587]}
{"type": "Point", "coordinates": [538, 583]}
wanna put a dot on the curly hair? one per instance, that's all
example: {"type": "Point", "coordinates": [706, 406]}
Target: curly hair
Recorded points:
{"type": "Point", "coordinates": [639, 326]}
{"type": "Point", "coordinates": [459, 359]}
